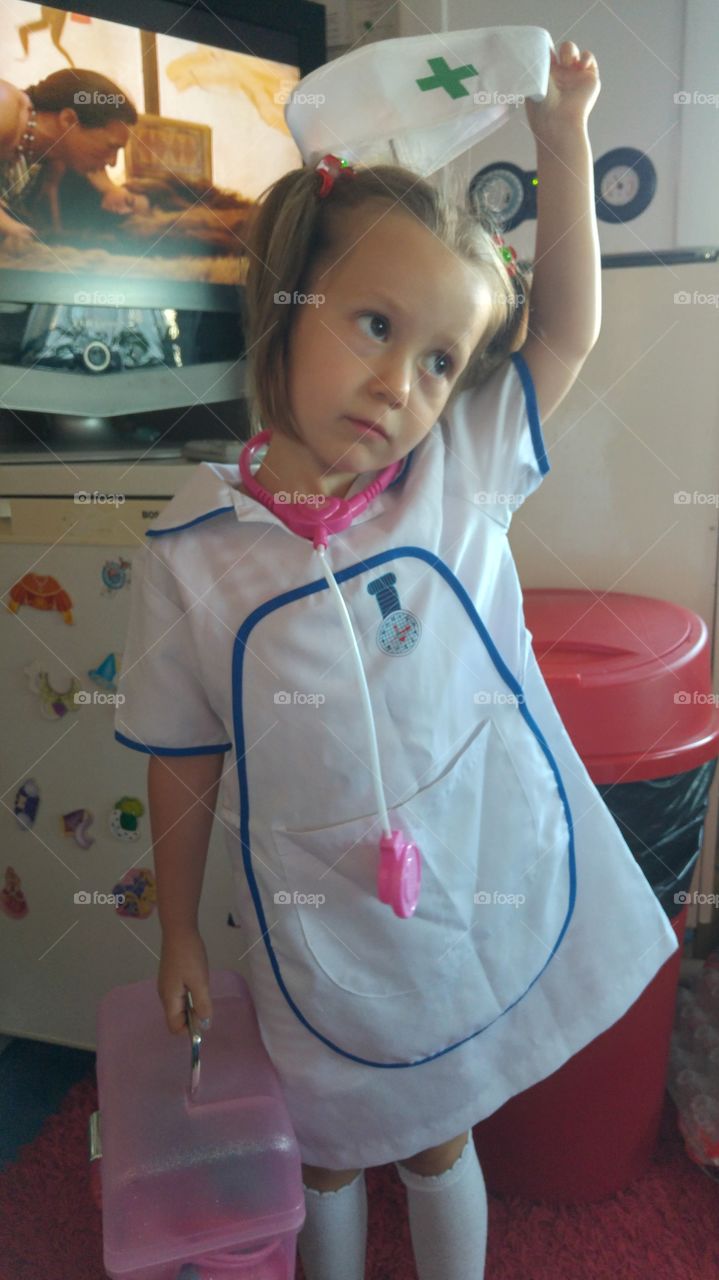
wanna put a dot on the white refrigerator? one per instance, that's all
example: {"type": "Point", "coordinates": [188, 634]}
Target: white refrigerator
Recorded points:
{"type": "Point", "coordinates": [70, 850]}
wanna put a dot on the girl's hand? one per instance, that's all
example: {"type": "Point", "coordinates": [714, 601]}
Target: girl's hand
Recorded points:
{"type": "Point", "coordinates": [573, 89]}
{"type": "Point", "coordinates": [183, 965]}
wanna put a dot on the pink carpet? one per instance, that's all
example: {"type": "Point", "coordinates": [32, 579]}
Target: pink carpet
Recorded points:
{"type": "Point", "coordinates": [665, 1227]}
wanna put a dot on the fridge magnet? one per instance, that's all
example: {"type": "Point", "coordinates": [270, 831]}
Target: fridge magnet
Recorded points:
{"type": "Point", "coordinates": [124, 818]}
{"type": "Point", "coordinates": [139, 893]}
{"type": "Point", "coordinates": [40, 591]}
{"type": "Point", "coordinates": [116, 574]}
{"type": "Point", "coordinates": [76, 824]}
{"type": "Point", "coordinates": [105, 675]}
{"type": "Point", "coordinates": [54, 703]}
{"type": "Point", "coordinates": [27, 799]}
{"type": "Point", "coordinates": [12, 899]}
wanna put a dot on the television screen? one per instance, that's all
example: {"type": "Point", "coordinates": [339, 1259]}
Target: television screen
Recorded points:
{"type": "Point", "coordinates": [131, 155]}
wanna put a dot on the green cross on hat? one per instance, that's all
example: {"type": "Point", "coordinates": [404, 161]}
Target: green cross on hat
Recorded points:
{"type": "Point", "coordinates": [446, 79]}
{"type": "Point", "coordinates": [418, 101]}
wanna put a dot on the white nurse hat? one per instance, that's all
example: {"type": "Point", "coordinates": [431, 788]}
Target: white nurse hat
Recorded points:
{"type": "Point", "coordinates": [418, 101]}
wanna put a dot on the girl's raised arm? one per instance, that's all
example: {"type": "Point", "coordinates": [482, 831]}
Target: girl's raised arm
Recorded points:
{"type": "Point", "coordinates": [565, 299]}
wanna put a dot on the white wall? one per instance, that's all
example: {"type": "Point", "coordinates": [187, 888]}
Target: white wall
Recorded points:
{"type": "Point", "coordinates": [697, 177]}
{"type": "Point", "coordinates": [646, 53]}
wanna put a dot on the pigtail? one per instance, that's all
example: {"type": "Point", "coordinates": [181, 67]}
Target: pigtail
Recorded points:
{"type": "Point", "coordinates": [509, 325]}
{"type": "Point", "coordinates": [280, 239]}
{"type": "Point", "coordinates": [282, 229]}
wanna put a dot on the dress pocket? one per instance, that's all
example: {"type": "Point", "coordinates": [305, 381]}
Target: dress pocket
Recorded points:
{"type": "Point", "coordinates": [480, 835]}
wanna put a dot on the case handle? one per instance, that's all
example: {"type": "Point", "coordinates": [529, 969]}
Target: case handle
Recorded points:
{"type": "Point", "coordinates": [195, 1043]}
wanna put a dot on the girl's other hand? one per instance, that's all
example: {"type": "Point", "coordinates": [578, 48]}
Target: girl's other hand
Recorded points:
{"type": "Point", "coordinates": [183, 966]}
{"type": "Point", "coordinates": [573, 89]}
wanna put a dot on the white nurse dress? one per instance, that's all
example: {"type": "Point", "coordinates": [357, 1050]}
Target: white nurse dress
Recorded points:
{"type": "Point", "coordinates": [535, 928]}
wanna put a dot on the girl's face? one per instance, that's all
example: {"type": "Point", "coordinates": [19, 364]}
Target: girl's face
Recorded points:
{"type": "Point", "coordinates": [395, 318]}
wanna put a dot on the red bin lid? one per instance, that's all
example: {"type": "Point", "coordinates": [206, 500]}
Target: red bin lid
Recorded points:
{"type": "Point", "coordinates": [631, 679]}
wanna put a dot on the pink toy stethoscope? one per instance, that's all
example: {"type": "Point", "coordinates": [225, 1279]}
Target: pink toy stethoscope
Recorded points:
{"type": "Point", "coordinates": [400, 867]}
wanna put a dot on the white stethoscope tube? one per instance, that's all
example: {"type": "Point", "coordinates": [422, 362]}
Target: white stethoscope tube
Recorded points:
{"type": "Point", "coordinates": [369, 717]}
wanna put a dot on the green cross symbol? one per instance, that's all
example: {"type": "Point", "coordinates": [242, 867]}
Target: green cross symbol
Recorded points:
{"type": "Point", "coordinates": [444, 78]}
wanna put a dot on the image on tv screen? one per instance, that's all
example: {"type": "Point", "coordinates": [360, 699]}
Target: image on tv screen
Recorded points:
{"type": "Point", "coordinates": [126, 152]}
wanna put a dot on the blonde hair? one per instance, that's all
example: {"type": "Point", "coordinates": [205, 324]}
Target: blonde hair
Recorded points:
{"type": "Point", "coordinates": [291, 230]}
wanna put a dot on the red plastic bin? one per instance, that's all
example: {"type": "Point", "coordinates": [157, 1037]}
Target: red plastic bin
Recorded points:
{"type": "Point", "coordinates": [631, 679]}
{"type": "Point", "coordinates": [613, 664]}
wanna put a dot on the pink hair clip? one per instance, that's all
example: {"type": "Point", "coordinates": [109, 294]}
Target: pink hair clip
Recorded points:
{"type": "Point", "coordinates": [329, 169]}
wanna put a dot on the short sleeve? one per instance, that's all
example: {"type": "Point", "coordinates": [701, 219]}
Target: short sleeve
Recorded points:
{"type": "Point", "coordinates": [494, 442]}
{"type": "Point", "coordinates": [165, 710]}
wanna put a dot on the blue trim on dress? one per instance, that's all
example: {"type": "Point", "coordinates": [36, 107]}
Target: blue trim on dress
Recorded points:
{"type": "Point", "coordinates": [530, 396]}
{"type": "Point", "coordinates": [157, 533]}
{"type": "Point", "coordinates": [171, 751]}
{"type": "Point", "coordinates": [238, 655]}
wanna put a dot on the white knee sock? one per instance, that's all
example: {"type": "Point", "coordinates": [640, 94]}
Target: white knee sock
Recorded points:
{"type": "Point", "coordinates": [448, 1219]}
{"type": "Point", "coordinates": [333, 1240]}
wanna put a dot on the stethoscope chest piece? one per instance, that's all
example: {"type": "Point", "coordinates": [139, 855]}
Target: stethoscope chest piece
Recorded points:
{"type": "Point", "coordinates": [400, 874]}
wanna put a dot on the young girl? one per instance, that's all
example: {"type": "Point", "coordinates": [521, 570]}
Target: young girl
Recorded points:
{"type": "Point", "coordinates": [437, 909]}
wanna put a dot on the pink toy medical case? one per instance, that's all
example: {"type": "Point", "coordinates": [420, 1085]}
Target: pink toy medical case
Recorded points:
{"type": "Point", "coordinates": [200, 1172]}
